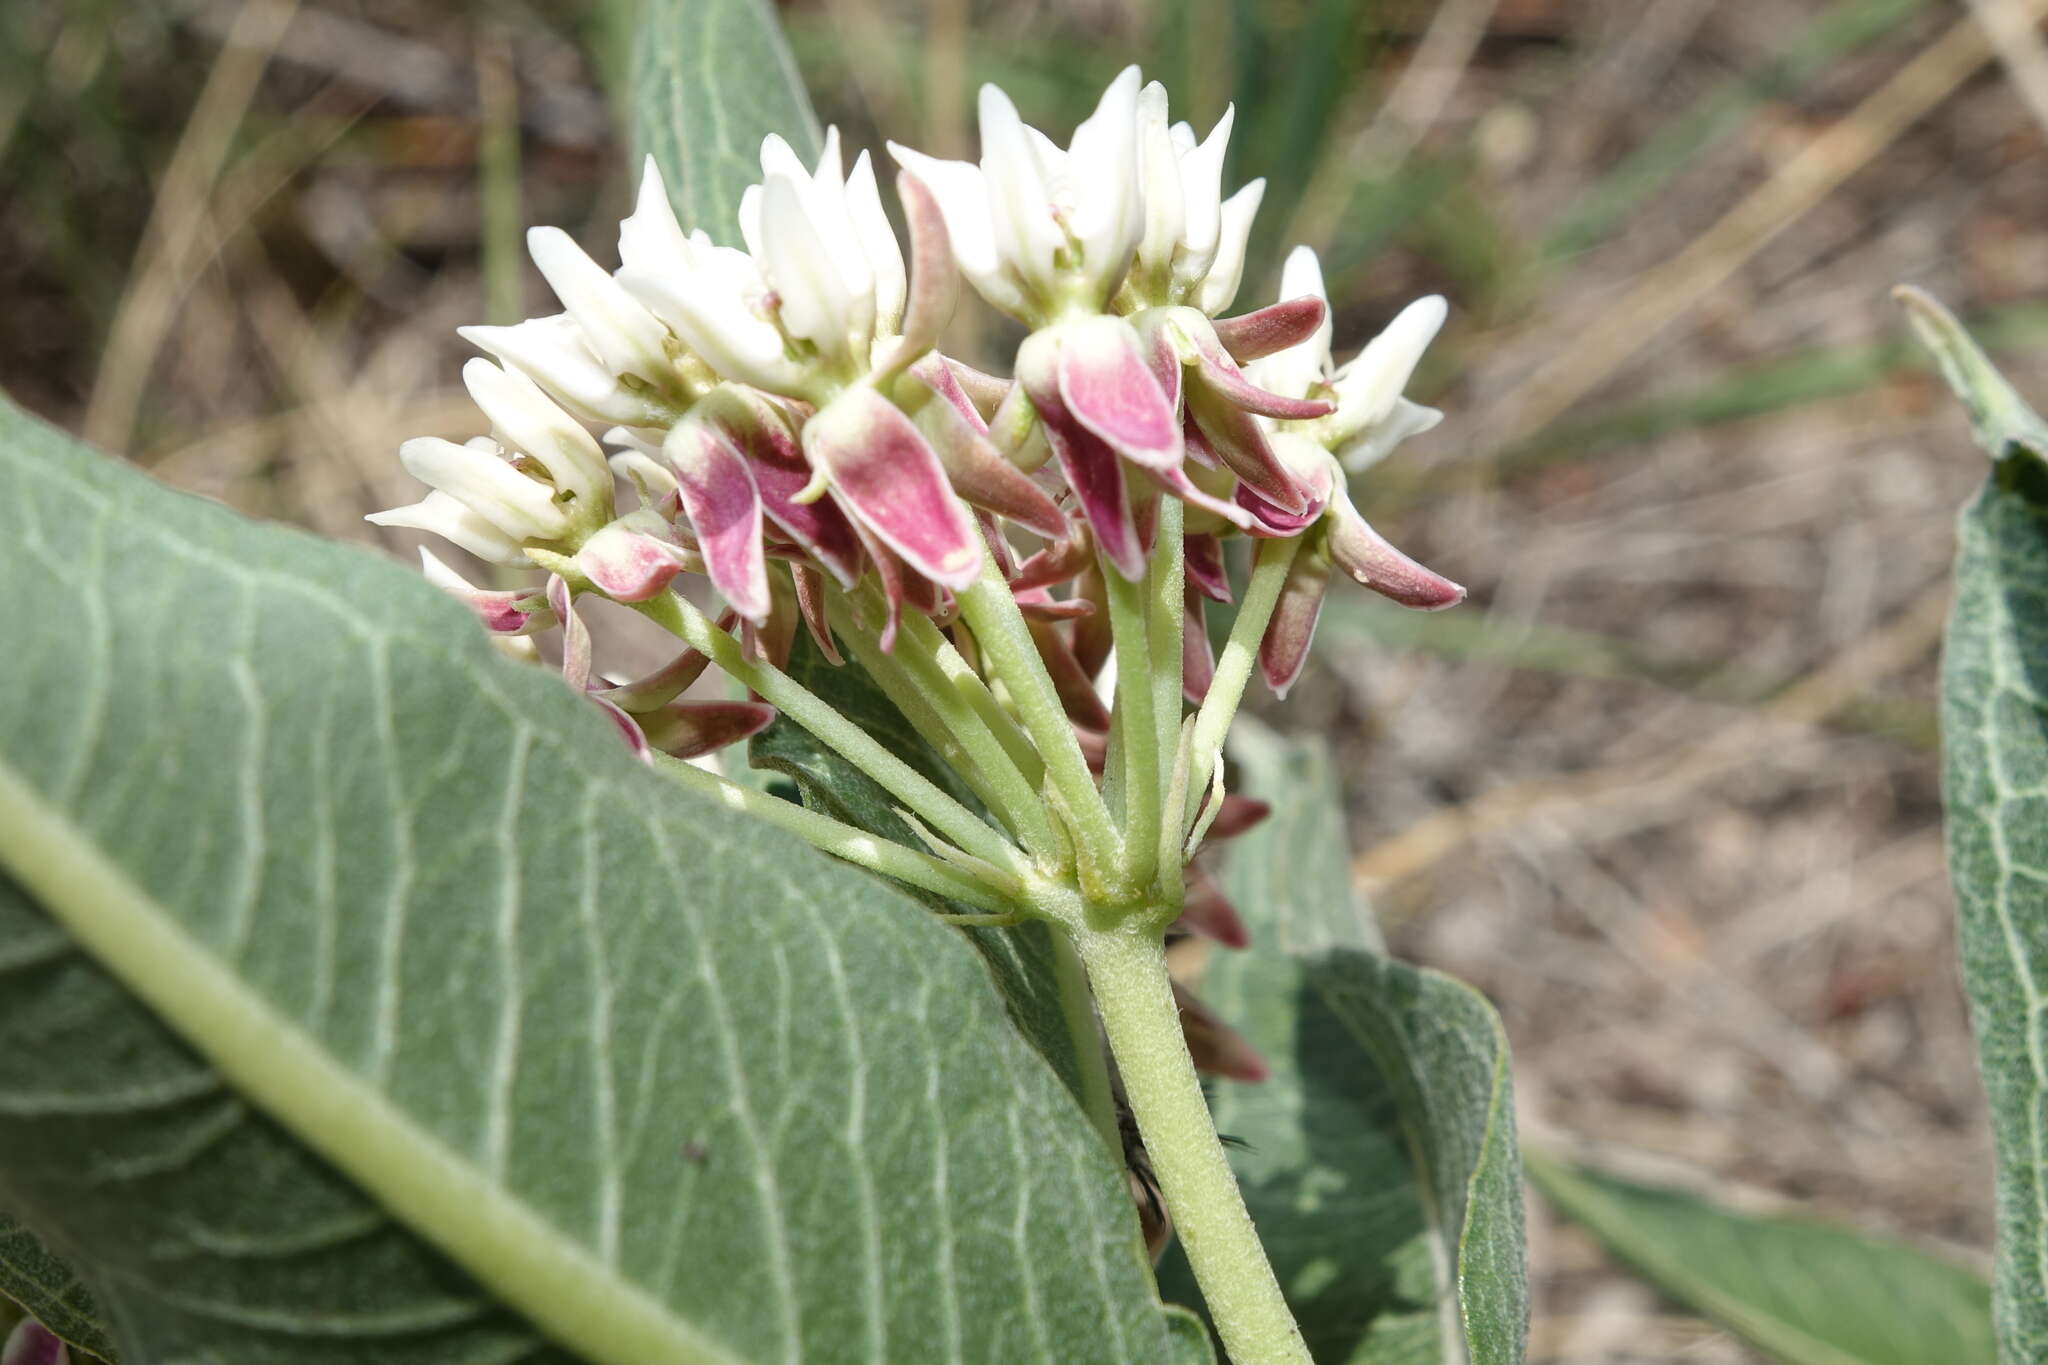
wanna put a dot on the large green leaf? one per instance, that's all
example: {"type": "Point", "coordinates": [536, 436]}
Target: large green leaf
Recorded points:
{"type": "Point", "coordinates": [364, 999]}
{"type": "Point", "coordinates": [1994, 720]}
{"type": "Point", "coordinates": [710, 79]}
{"type": "Point", "coordinates": [1806, 1292]}
{"type": "Point", "coordinates": [1378, 1158]}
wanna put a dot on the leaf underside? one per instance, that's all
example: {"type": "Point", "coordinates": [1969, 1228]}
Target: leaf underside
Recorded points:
{"type": "Point", "coordinates": [464, 927]}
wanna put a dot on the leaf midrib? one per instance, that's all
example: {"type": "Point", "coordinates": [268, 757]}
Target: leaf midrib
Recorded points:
{"type": "Point", "coordinates": [575, 1297]}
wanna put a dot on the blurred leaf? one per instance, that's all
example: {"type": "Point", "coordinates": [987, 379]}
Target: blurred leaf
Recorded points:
{"type": "Point", "coordinates": [49, 1290]}
{"type": "Point", "coordinates": [482, 1029]}
{"type": "Point", "coordinates": [1806, 1292]}
{"type": "Point", "coordinates": [710, 79]}
{"type": "Point", "coordinates": [1378, 1157]}
{"type": "Point", "coordinates": [1994, 717]}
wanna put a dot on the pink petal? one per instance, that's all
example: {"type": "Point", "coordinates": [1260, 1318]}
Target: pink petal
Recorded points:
{"type": "Point", "coordinates": [934, 280]}
{"type": "Point", "coordinates": [1177, 483]}
{"type": "Point", "coordinates": [690, 729]}
{"type": "Point", "coordinates": [1056, 563]}
{"type": "Point", "coordinates": [629, 729]}
{"type": "Point", "coordinates": [1217, 371]}
{"type": "Point", "coordinates": [1283, 651]}
{"type": "Point", "coordinates": [1070, 681]}
{"type": "Point", "coordinates": [978, 471]}
{"type": "Point", "coordinates": [1275, 327]}
{"type": "Point", "coordinates": [776, 460]}
{"type": "Point", "coordinates": [985, 391]}
{"type": "Point", "coordinates": [884, 472]}
{"type": "Point", "coordinates": [1041, 605]}
{"type": "Point", "coordinates": [889, 570]}
{"type": "Point", "coordinates": [1237, 440]}
{"type": "Point", "coordinates": [1208, 912]}
{"type": "Point", "coordinates": [939, 375]}
{"type": "Point", "coordinates": [1197, 658]}
{"type": "Point", "coordinates": [1270, 521]}
{"type": "Point", "coordinates": [1236, 815]}
{"type": "Point", "coordinates": [1217, 1048]}
{"type": "Point", "coordinates": [1092, 640]}
{"type": "Point", "coordinates": [663, 685]}
{"type": "Point", "coordinates": [631, 564]}
{"type": "Point", "coordinates": [724, 508]}
{"type": "Point", "coordinates": [1365, 554]}
{"type": "Point", "coordinates": [1105, 382]}
{"type": "Point", "coordinates": [1204, 556]}
{"type": "Point", "coordinates": [810, 603]}
{"type": "Point", "coordinates": [1096, 475]}
{"type": "Point", "coordinates": [31, 1343]}
{"type": "Point", "coordinates": [575, 635]}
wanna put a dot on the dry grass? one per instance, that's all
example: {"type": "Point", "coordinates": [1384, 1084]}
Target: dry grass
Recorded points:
{"type": "Point", "coordinates": [1718, 932]}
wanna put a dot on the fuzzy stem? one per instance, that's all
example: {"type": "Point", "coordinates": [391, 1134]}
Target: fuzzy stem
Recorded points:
{"type": "Point", "coordinates": [957, 823]}
{"type": "Point", "coordinates": [856, 846]}
{"type": "Point", "coordinates": [1234, 666]}
{"type": "Point", "coordinates": [1134, 723]}
{"type": "Point", "coordinates": [1127, 969]}
{"type": "Point", "coordinates": [970, 684]}
{"type": "Point", "coordinates": [1006, 647]}
{"type": "Point", "coordinates": [1077, 1009]}
{"type": "Point", "coordinates": [1166, 617]}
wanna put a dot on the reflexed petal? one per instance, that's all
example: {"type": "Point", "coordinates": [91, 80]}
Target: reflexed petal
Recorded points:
{"type": "Point", "coordinates": [810, 603]}
{"type": "Point", "coordinates": [624, 335]}
{"type": "Point", "coordinates": [1197, 658]}
{"type": "Point", "coordinates": [1241, 444]}
{"type": "Point", "coordinates": [1070, 681]}
{"type": "Point", "coordinates": [985, 391]}
{"type": "Point", "coordinates": [724, 509]}
{"type": "Point", "coordinates": [931, 304]}
{"type": "Point", "coordinates": [963, 195]}
{"type": "Point", "coordinates": [1095, 474]}
{"type": "Point", "coordinates": [31, 1343]}
{"type": "Point", "coordinates": [1204, 556]}
{"type": "Point", "coordinates": [1208, 912]}
{"type": "Point", "coordinates": [663, 685]}
{"type": "Point", "coordinates": [1228, 269]}
{"type": "Point", "coordinates": [691, 729]}
{"type": "Point", "coordinates": [1092, 639]}
{"type": "Point", "coordinates": [633, 558]}
{"type": "Point", "coordinates": [458, 525]}
{"type": "Point", "coordinates": [1219, 372]}
{"type": "Point", "coordinates": [1283, 651]}
{"type": "Point", "coordinates": [975, 468]}
{"type": "Point", "coordinates": [518, 612]}
{"type": "Point", "coordinates": [526, 418]}
{"type": "Point", "coordinates": [1277, 328]}
{"type": "Point", "coordinates": [882, 470]}
{"type": "Point", "coordinates": [1236, 815]}
{"type": "Point", "coordinates": [1056, 563]}
{"type": "Point", "coordinates": [575, 635]}
{"type": "Point", "coordinates": [1216, 1047]}
{"type": "Point", "coordinates": [1365, 554]}
{"type": "Point", "coordinates": [522, 507]}
{"type": "Point", "coordinates": [1105, 383]}
{"type": "Point", "coordinates": [1367, 448]}
{"type": "Point", "coordinates": [629, 729]}
{"type": "Point", "coordinates": [1176, 482]}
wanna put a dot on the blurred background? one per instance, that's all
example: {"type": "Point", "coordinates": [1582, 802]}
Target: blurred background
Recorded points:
{"type": "Point", "coordinates": [1666, 789]}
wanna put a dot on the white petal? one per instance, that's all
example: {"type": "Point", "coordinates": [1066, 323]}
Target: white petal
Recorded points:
{"type": "Point", "coordinates": [1367, 448]}
{"type": "Point", "coordinates": [964, 202]}
{"type": "Point", "coordinates": [1293, 370]}
{"type": "Point", "coordinates": [750, 220]}
{"type": "Point", "coordinates": [878, 242]}
{"type": "Point", "coordinates": [652, 238]}
{"type": "Point", "coordinates": [1228, 271]}
{"type": "Point", "coordinates": [1201, 178]}
{"type": "Point", "coordinates": [816, 303]}
{"type": "Point", "coordinates": [622, 333]}
{"type": "Point", "coordinates": [1368, 386]}
{"type": "Point", "coordinates": [1165, 202]}
{"type": "Point", "coordinates": [710, 313]}
{"type": "Point", "coordinates": [443, 516]}
{"type": "Point", "coordinates": [527, 418]}
{"type": "Point", "coordinates": [650, 476]}
{"type": "Point", "coordinates": [778, 157]}
{"type": "Point", "coordinates": [1102, 168]}
{"type": "Point", "coordinates": [522, 507]}
{"type": "Point", "coordinates": [551, 351]}
{"type": "Point", "coordinates": [1019, 200]}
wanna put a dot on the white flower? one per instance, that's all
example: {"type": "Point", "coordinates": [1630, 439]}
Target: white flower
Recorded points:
{"type": "Point", "coordinates": [443, 516]}
{"type": "Point", "coordinates": [478, 476]}
{"type": "Point", "coordinates": [1219, 286]}
{"type": "Point", "coordinates": [825, 246]}
{"type": "Point", "coordinates": [1035, 228]}
{"type": "Point", "coordinates": [527, 419]}
{"type": "Point", "coordinates": [1371, 417]}
{"type": "Point", "coordinates": [1183, 198]}
{"type": "Point", "coordinates": [553, 353]}
{"type": "Point", "coordinates": [620, 332]}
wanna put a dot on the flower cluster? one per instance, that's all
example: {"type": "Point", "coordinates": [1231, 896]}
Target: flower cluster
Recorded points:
{"type": "Point", "coordinates": [985, 546]}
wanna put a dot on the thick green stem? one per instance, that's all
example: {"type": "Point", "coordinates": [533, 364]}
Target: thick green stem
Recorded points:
{"type": "Point", "coordinates": [1077, 1009]}
{"type": "Point", "coordinates": [1127, 969]}
{"type": "Point", "coordinates": [999, 628]}
{"type": "Point", "coordinates": [1135, 727]}
{"type": "Point", "coordinates": [945, 815]}
{"type": "Point", "coordinates": [856, 846]}
{"type": "Point", "coordinates": [1234, 666]}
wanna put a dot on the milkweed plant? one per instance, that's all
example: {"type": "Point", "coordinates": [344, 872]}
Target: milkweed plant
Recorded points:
{"type": "Point", "coordinates": [1020, 561]}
